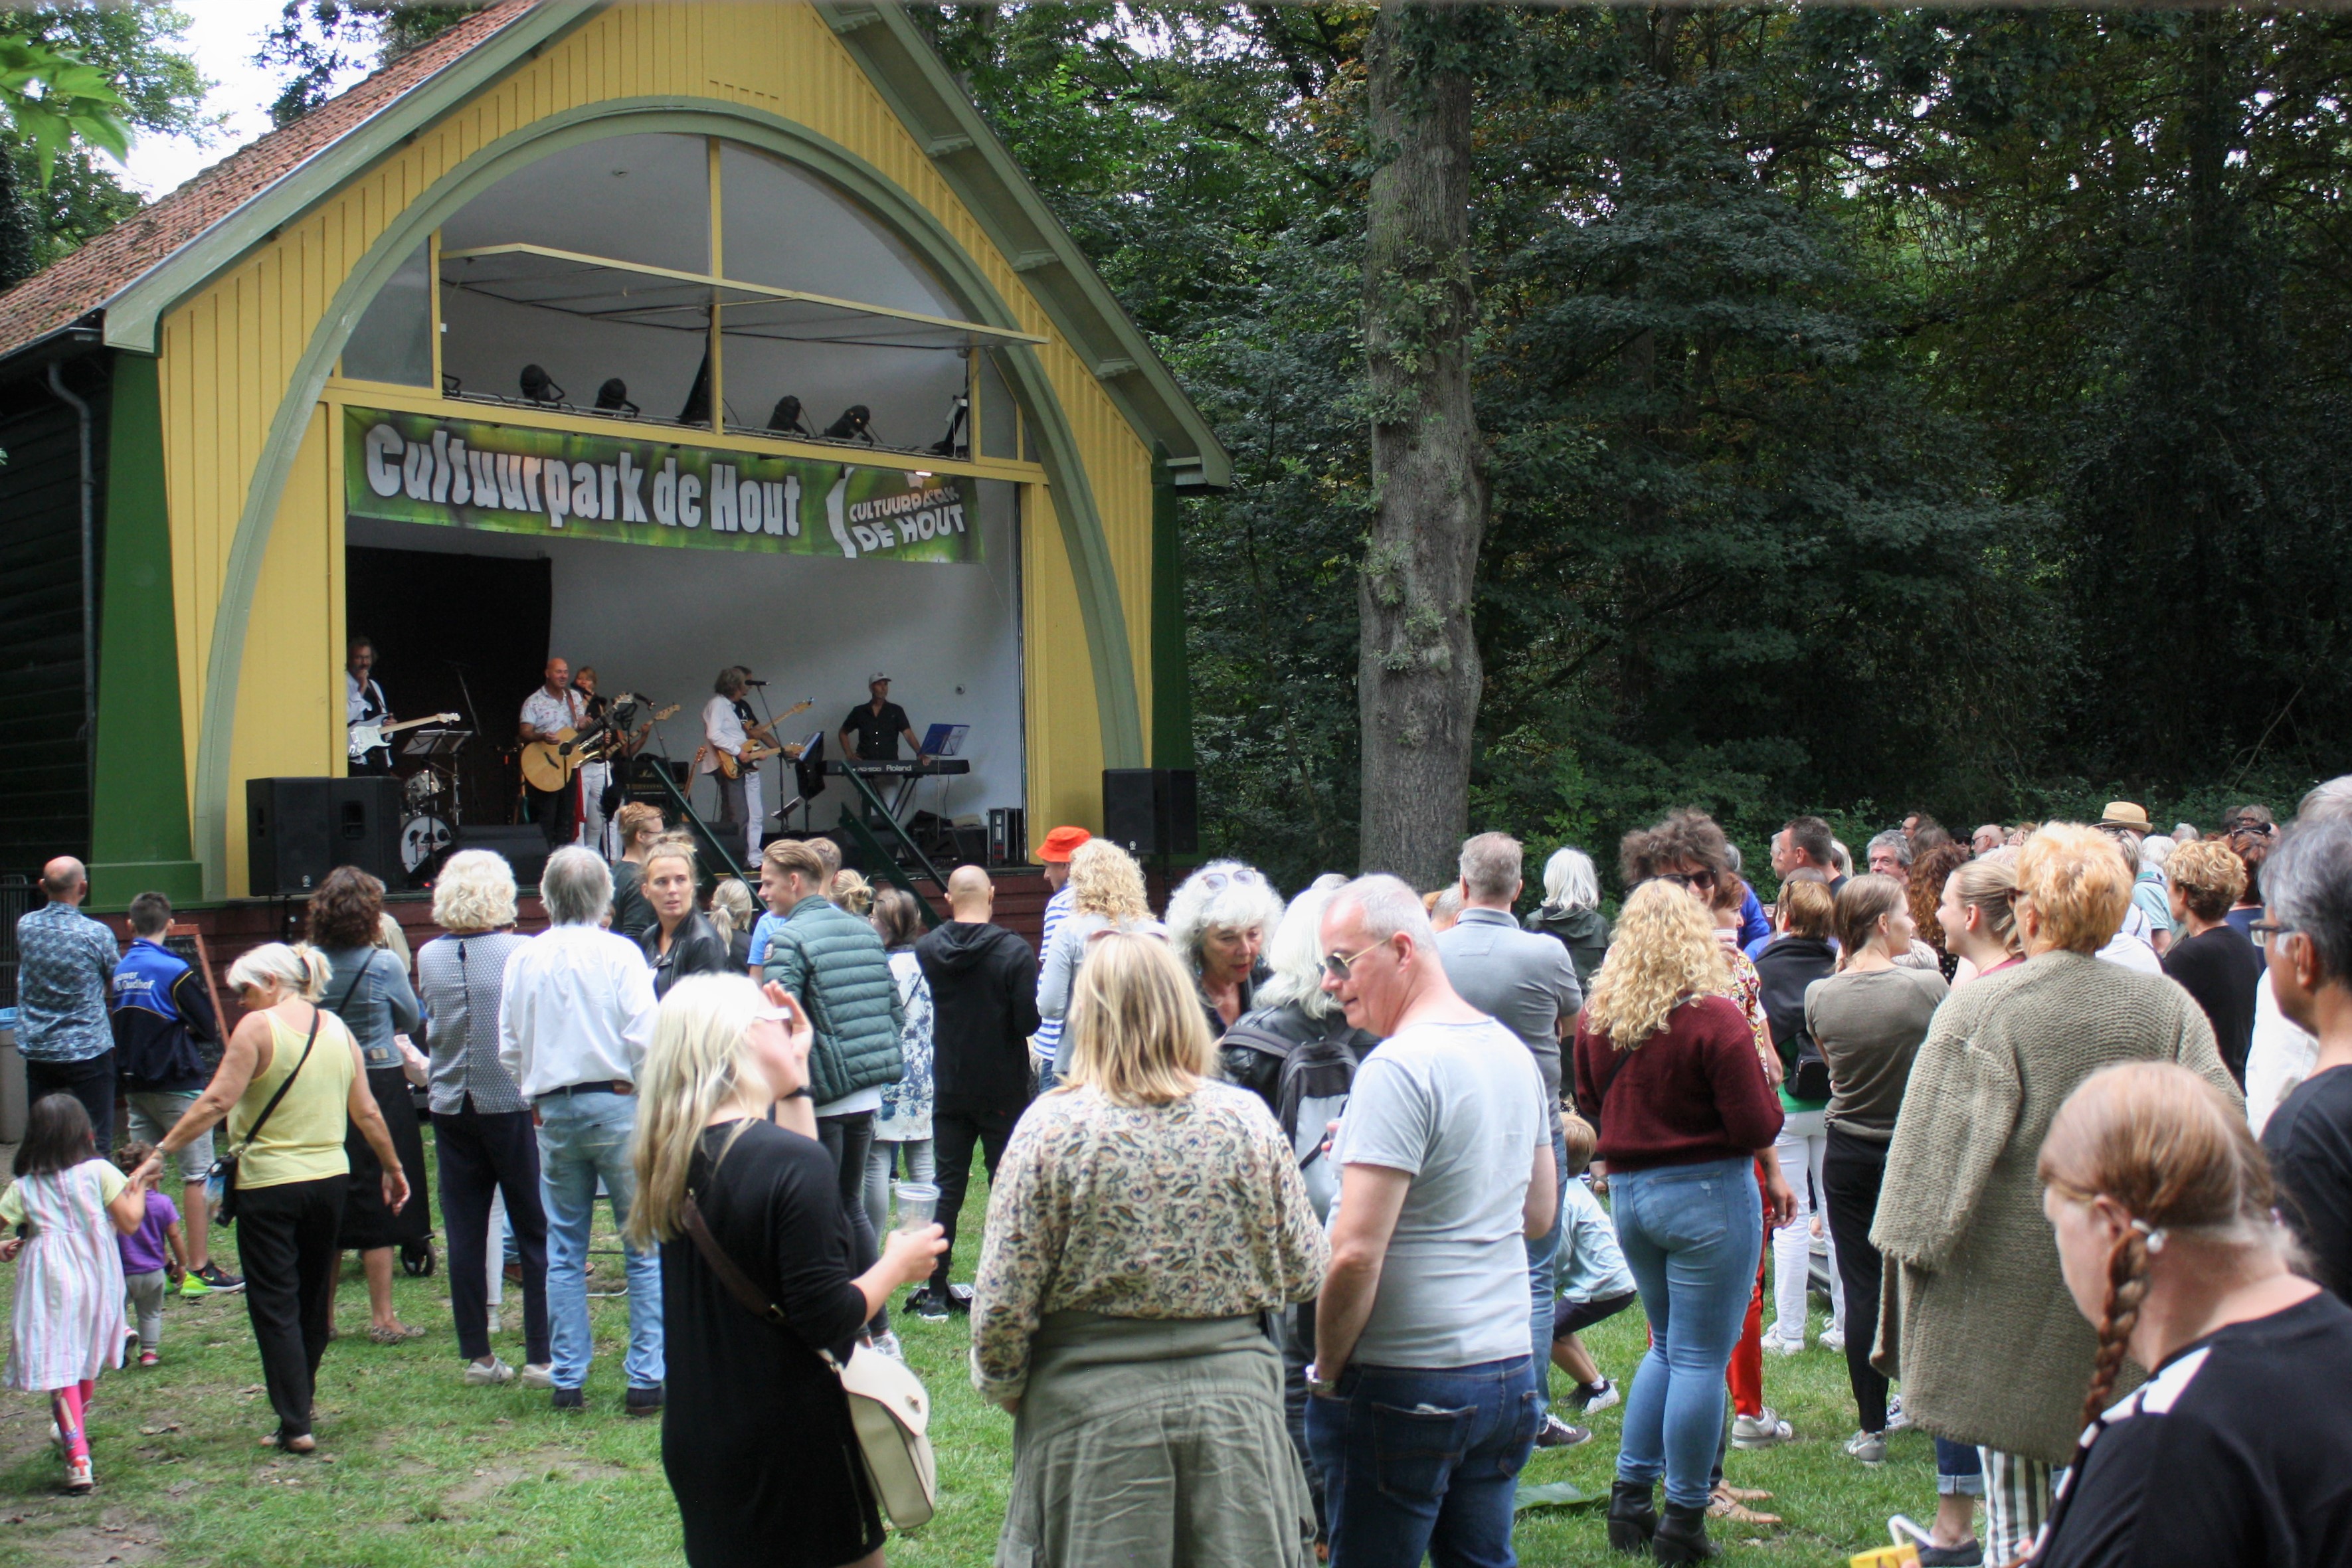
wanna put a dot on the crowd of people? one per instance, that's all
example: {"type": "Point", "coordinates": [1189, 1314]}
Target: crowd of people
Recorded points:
{"type": "Point", "coordinates": [1294, 1208]}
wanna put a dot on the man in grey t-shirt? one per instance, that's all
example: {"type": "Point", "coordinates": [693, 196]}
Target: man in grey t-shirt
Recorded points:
{"type": "Point", "coordinates": [1525, 982]}
{"type": "Point", "coordinates": [1422, 1343]}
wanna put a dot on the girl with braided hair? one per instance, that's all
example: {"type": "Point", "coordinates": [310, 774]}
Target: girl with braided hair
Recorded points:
{"type": "Point", "coordinates": [2235, 1449]}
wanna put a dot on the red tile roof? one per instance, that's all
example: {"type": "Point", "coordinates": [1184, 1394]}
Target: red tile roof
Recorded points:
{"type": "Point", "coordinates": [86, 280]}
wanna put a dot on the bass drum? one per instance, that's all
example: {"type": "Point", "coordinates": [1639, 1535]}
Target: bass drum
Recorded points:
{"type": "Point", "coordinates": [423, 840]}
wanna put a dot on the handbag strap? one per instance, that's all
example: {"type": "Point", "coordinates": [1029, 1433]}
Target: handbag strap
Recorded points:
{"type": "Point", "coordinates": [739, 1284]}
{"type": "Point", "coordinates": [283, 1086]}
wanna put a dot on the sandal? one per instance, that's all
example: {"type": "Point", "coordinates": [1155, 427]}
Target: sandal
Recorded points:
{"type": "Point", "coordinates": [1742, 1494]}
{"type": "Point", "coordinates": [1725, 1507]}
{"type": "Point", "coordinates": [401, 1334]}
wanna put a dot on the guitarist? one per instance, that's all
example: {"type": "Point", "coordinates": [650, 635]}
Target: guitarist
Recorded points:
{"type": "Point", "coordinates": [726, 717]}
{"type": "Point", "coordinates": [595, 776]}
{"type": "Point", "coordinates": [364, 703]}
{"type": "Point", "coordinates": [547, 713]}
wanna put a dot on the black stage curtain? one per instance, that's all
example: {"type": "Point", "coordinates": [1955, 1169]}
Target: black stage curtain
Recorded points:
{"type": "Point", "coordinates": [435, 617]}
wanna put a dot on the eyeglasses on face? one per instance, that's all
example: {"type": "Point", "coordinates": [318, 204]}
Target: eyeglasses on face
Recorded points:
{"type": "Point", "coordinates": [2264, 930]}
{"type": "Point", "coordinates": [1336, 964]}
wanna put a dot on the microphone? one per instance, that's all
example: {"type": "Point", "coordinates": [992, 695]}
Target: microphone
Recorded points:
{"type": "Point", "coordinates": [749, 683]}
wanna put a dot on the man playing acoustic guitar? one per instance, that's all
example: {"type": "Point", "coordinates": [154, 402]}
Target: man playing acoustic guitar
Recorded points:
{"type": "Point", "coordinates": [552, 713]}
{"type": "Point", "coordinates": [733, 748]}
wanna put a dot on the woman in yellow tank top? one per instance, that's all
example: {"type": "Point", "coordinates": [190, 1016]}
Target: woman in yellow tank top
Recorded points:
{"type": "Point", "coordinates": [291, 1169]}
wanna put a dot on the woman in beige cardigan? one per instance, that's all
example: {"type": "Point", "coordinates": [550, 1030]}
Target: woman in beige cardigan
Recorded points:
{"type": "Point", "coordinates": [1978, 1323]}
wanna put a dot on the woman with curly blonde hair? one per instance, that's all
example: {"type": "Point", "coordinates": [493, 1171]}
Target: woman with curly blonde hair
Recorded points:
{"type": "Point", "coordinates": [1105, 894]}
{"type": "Point", "coordinates": [2211, 956]}
{"type": "Point", "coordinates": [1666, 1069]}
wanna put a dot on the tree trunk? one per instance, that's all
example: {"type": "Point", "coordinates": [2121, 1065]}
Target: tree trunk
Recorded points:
{"type": "Point", "coordinates": [1418, 679]}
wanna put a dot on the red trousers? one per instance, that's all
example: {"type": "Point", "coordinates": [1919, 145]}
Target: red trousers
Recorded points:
{"type": "Point", "coordinates": [1746, 1373]}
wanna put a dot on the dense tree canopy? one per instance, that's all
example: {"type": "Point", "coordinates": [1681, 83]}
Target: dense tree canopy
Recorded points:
{"type": "Point", "coordinates": [1879, 407]}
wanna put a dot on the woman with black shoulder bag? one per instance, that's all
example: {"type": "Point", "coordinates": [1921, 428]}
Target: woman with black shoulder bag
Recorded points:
{"type": "Point", "coordinates": [758, 1435]}
{"type": "Point", "coordinates": [291, 1084]}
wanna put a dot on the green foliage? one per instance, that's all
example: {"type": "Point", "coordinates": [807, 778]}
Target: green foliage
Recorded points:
{"type": "Point", "coordinates": [318, 42]}
{"type": "Point", "coordinates": [1883, 408]}
{"type": "Point", "coordinates": [54, 97]}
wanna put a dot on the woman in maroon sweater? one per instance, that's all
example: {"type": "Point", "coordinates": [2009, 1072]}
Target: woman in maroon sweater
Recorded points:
{"type": "Point", "coordinates": [1666, 1069]}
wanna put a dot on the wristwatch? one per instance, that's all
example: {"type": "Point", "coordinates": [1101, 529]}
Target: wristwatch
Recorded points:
{"type": "Point", "coordinates": [1317, 1384]}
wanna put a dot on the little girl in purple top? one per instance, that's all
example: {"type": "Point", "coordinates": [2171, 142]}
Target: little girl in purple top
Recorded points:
{"type": "Point", "coordinates": [147, 1272]}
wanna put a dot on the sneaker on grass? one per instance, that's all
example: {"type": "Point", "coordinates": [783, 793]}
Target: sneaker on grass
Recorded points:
{"type": "Point", "coordinates": [1764, 1429]}
{"type": "Point", "coordinates": [1870, 1447]}
{"type": "Point", "coordinates": [1833, 1338]}
{"type": "Point", "coordinates": [210, 1277]}
{"type": "Point", "coordinates": [1558, 1434]}
{"type": "Point", "coordinates": [538, 1375]}
{"type": "Point", "coordinates": [491, 1374]}
{"type": "Point", "coordinates": [1593, 1397]}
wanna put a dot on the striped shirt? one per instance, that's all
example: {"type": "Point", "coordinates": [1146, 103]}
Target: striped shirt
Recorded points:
{"type": "Point", "coordinates": [1047, 1040]}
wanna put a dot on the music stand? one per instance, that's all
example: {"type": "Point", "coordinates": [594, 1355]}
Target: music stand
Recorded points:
{"type": "Point", "coordinates": [442, 746]}
{"type": "Point", "coordinates": [940, 740]}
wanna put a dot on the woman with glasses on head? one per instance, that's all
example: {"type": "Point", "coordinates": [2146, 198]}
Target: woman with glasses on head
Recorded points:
{"type": "Point", "coordinates": [1666, 1069]}
{"type": "Point", "coordinates": [1218, 920]}
{"type": "Point", "coordinates": [1960, 1220]}
{"type": "Point", "coordinates": [1144, 1219]}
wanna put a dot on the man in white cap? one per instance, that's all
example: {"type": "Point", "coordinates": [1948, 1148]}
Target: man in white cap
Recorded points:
{"type": "Point", "coordinates": [871, 732]}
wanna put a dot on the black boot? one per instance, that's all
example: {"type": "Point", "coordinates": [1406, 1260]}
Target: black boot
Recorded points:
{"type": "Point", "coordinates": [1682, 1536]}
{"type": "Point", "coordinates": [1631, 1519]}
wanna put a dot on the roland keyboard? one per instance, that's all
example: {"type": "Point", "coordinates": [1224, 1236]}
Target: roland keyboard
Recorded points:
{"type": "Point", "coordinates": [937, 766]}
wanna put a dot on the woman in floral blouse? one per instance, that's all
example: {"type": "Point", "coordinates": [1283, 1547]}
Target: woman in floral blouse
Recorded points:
{"type": "Point", "coordinates": [1144, 1217]}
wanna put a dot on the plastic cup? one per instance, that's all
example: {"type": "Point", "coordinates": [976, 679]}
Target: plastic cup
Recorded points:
{"type": "Point", "coordinates": [918, 1204]}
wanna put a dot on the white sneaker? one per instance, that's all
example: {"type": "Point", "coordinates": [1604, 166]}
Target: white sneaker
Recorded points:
{"type": "Point", "coordinates": [1776, 1344]}
{"type": "Point", "coordinates": [1604, 1395]}
{"type": "Point", "coordinates": [1762, 1430]}
{"type": "Point", "coordinates": [1895, 1420]}
{"type": "Point", "coordinates": [1870, 1447]}
{"type": "Point", "coordinates": [1833, 1338]}
{"type": "Point", "coordinates": [539, 1374]}
{"type": "Point", "coordinates": [886, 1344]}
{"type": "Point", "coordinates": [490, 1375]}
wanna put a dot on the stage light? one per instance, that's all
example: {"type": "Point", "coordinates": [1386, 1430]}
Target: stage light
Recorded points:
{"type": "Point", "coordinates": [852, 426]}
{"type": "Point", "coordinates": [612, 397]}
{"type": "Point", "coordinates": [537, 388]}
{"type": "Point", "coordinates": [786, 420]}
{"type": "Point", "coordinates": [945, 446]}
{"type": "Point", "coordinates": [698, 398]}
{"type": "Point", "coordinates": [449, 384]}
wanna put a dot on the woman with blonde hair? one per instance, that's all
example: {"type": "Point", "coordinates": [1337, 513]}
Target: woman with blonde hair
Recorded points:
{"type": "Point", "coordinates": [483, 1141]}
{"type": "Point", "coordinates": [638, 825]}
{"type": "Point", "coordinates": [733, 913]}
{"type": "Point", "coordinates": [291, 1082]}
{"type": "Point", "coordinates": [1106, 887]}
{"type": "Point", "coordinates": [1144, 1217]}
{"type": "Point", "coordinates": [681, 941]}
{"type": "Point", "coordinates": [2162, 1209]}
{"type": "Point", "coordinates": [756, 1433]}
{"type": "Point", "coordinates": [1666, 1069]}
{"type": "Point", "coordinates": [1975, 1282]}
{"type": "Point", "coordinates": [1978, 924]}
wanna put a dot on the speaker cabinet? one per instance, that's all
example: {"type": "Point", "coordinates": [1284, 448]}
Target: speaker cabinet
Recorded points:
{"type": "Point", "coordinates": [522, 844]}
{"type": "Point", "coordinates": [288, 841]}
{"type": "Point", "coordinates": [1151, 811]}
{"type": "Point", "coordinates": [1008, 835]}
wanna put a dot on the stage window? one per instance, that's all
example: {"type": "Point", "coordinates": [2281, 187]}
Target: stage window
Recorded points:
{"type": "Point", "coordinates": [393, 340]}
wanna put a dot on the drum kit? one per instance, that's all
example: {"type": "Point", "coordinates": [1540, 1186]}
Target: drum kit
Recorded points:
{"type": "Point", "coordinates": [432, 800]}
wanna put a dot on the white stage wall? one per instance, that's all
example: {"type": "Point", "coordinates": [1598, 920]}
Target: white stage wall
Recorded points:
{"type": "Point", "coordinates": [664, 621]}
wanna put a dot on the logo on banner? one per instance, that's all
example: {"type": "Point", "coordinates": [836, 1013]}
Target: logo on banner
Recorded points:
{"type": "Point", "coordinates": [469, 474]}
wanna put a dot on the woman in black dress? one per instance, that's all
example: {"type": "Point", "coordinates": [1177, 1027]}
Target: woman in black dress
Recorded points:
{"type": "Point", "coordinates": [369, 991]}
{"type": "Point", "coordinates": [756, 1434]}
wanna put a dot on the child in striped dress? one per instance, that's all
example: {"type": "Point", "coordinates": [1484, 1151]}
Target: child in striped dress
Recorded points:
{"type": "Point", "coordinates": [68, 1204]}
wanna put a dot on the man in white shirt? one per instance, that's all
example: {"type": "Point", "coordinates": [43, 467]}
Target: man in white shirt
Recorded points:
{"type": "Point", "coordinates": [1423, 1405]}
{"type": "Point", "coordinates": [364, 703]}
{"type": "Point", "coordinates": [575, 1021]}
{"type": "Point", "coordinates": [547, 713]}
{"type": "Point", "coordinates": [737, 823]}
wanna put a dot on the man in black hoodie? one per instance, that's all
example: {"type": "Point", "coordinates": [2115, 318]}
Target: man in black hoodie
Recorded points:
{"type": "Point", "coordinates": [984, 983]}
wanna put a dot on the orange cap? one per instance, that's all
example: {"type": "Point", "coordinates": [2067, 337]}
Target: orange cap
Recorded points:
{"type": "Point", "coordinates": [1061, 843]}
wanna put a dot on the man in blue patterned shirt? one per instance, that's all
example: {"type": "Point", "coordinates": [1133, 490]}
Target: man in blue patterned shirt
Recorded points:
{"type": "Point", "coordinates": [64, 961]}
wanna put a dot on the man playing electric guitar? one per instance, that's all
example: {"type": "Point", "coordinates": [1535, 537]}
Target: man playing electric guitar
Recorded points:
{"type": "Point", "coordinates": [553, 713]}
{"type": "Point", "coordinates": [364, 703]}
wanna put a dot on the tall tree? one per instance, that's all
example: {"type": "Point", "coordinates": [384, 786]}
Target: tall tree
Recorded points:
{"type": "Point", "coordinates": [1418, 677]}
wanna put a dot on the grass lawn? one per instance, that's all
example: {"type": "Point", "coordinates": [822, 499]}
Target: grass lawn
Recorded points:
{"type": "Point", "coordinates": [416, 1468]}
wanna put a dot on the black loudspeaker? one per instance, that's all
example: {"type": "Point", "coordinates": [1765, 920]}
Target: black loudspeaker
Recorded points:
{"type": "Point", "coordinates": [1008, 835]}
{"type": "Point", "coordinates": [288, 846]}
{"type": "Point", "coordinates": [1151, 811]}
{"type": "Point", "coordinates": [522, 844]}
{"type": "Point", "coordinates": [970, 845]}
{"type": "Point", "coordinates": [299, 830]}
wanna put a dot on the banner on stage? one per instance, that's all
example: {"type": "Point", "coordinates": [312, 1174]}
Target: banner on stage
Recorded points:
{"type": "Point", "coordinates": [511, 479]}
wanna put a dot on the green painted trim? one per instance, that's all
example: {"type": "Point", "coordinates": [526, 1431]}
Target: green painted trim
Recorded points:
{"type": "Point", "coordinates": [1171, 678]}
{"type": "Point", "coordinates": [139, 794]}
{"type": "Point", "coordinates": [135, 314]}
{"type": "Point", "coordinates": [912, 78]}
{"type": "Point", "coordinates": [1117, 702]}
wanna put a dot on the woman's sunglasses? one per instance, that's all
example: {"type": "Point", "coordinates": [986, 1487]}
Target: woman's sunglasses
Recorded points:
{"type": "Point", "coordinates": [1698, 880]}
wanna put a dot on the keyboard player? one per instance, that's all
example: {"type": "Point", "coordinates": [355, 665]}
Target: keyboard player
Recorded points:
{"type": "Point", "coordinates": [872, 730]}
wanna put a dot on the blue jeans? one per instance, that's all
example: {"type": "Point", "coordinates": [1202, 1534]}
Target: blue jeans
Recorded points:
{"type": "Point", "coordinates": [1424, 1461]}
{"type": "Point", "coordinates": [1543, 1273]}
{"type": "Point", "coordinates": [580, 1138]}
{"type": "Point", "coordinates": [1691, 1236]}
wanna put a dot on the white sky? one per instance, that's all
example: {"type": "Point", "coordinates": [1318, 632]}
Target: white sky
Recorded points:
{"type": "Point", "coordinates": [224, 36]}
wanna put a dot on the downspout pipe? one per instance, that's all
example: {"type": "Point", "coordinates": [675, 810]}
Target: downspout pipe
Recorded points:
{"type": "Point", "coordinates": [89, 583]}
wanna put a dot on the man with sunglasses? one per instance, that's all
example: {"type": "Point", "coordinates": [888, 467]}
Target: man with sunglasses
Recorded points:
{"type": "Point", "coordinates": [1446, 1172]}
